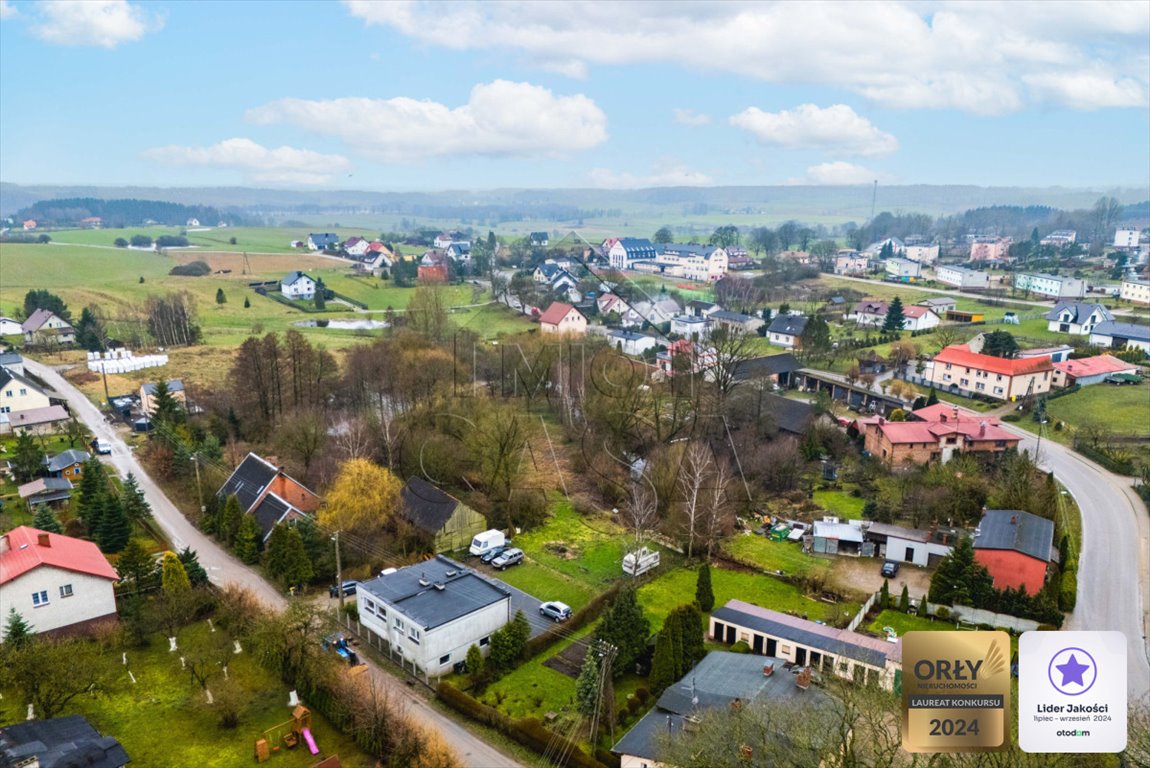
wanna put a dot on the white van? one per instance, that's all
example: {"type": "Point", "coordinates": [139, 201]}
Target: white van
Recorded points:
{"type": "Point", "coordinates": [486, 541]}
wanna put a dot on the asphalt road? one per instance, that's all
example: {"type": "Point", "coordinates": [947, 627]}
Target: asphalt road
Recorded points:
{"type": "Point", "coordinates": [223, 569]}
{"type": "Point", "coordinates": [1114, 565]}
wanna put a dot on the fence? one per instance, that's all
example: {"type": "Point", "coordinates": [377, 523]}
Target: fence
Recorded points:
{"type": "Point", "coordinates": [382, 645]}
{"type": "Point", "coordinates": [980, 616]}
{"type": "Point", "coordinates": [861, 615]}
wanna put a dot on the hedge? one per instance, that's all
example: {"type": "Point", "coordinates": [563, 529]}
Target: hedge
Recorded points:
{"type": "Point", "coordinates": [578, 620]}
{"type": "Point", "coordinates": [1068, 589]}
{"type": "Point", "coordinates": [1118, 466]}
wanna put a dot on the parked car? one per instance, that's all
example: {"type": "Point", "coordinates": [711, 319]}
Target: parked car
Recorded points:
{"type": "Point", "coordinates": [555, 610]}
{"type": "Point", "coordinates": [492, 554]}
{"type": "Point", "coordinates": [102, 447]}
{"type": "Point", "coordinates": [508, 558]}
{"type": "Point", "coordinates": [348, 589]}
{"type": "Point", "coordinates": [890, 569]}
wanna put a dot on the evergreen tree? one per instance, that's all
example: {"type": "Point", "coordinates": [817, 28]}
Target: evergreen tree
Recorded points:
{"type": "Point", "coordinates": [672, 628]}
{"type": "Point", "coordinates": [247, 303]}
{"type": "Point", "coordinates": [587, 684]}
{"type": "Point", "coordinates": [166, 409]}
{"type": "Point", "coordinates": [45, 520]}
{"type": "Point", "coordinates": [17, 632]}
{"type": "Point", "coordinates": [932, 398]}
{"type": "Point", "coordinates": [115, 530]}
{"type": "Point", "coordinates": [247, 544]}
{"type": "Point", "coordinates": [904, 600]}
{"type": "Point", "coordinates": [27, 459]}
{"type": "Point", "coordinates": [502, 654]}
{"type": "Point", "coordinates": [298, 569]}
{"type": "Point", "coordinates": [90, 332]}
{"type": "Point", "coordinates": [136, 566]}
{"type": "Point", "coordinates": [625, 627]}
{"type": "Point", "coordinates": [924, 607]}
{"type": "Point", "coordinates": [816, 336]}
{"type": "Point", "coordinates": [276, 552]}
{"type": "Point", "coordinates": [220, 297]}
{"type": "Point", "coordinates": [230, 518]}
{"type": "Point", "coordinates": [173, 577]}
{"type": "Point", "coordinates": [1000, 344]}
{"type": "Point", "coordinates": [474, 661]}
{"type": "Point", "coordinates": [704, 594]}
{"type": "Point", "coordinates": [884, 595]}
{"type": "Point", "coordinates": [519, 631]}
{"type": "Point", "coordinates": [320, 297]}
{"type": "Point", "coordinates": [895, 317]}
{"type": "Point", "coordinates": [694, 635]}
{"type": "Point", "coordinates": [197, 576]}
{"type": "Point", "coordinates": [136, 507]}
{"type": "Point", "coordinates": [93, 489]}
{"type": "Point", "coordinates": [662, 664]}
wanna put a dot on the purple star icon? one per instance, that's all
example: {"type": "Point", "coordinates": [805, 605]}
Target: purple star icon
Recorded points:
{"type": "Point", "coordinates": [1072, 671]}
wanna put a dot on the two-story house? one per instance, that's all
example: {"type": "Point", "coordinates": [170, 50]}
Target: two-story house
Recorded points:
{"type": "Point", "coordinates": [563, 318]}
{"type": "Point", "coordinates": [266, 492]}
{"type": "Point", "coordinates": [18, 394]}
{"type": "Point", "coordinates": [1135, 290]}
{"type": "Point", "coordinates": [298, 285]}
{"type": "Point", "coordinates": [432, 612]}
{"type": "Point", "coordinates": [958, 370]}
{"type": "Point", "coordinates": [1076, 318]}
{"type": "Point", "coordinates": [44, 327]}
{"type": "Point", "coordinates": [55, 581]}
{"type": "Point", "coordinates": [624, 252]}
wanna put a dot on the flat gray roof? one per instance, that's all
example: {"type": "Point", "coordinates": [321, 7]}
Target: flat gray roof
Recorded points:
{"type": "Point", "coordinates": [413, 590]}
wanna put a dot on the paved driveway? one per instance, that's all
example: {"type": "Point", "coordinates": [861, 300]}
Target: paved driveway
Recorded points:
{"type": "Point", "coordinates": [521, 601]}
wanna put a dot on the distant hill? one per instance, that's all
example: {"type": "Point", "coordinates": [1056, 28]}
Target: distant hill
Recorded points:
{"type": "Point", "coordinates": [72, 211]}
{"type": "Point", "coordinates": [844, 203]}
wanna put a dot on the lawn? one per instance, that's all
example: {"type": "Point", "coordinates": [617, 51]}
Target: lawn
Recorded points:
{"type": "Point", "coordinates": [786, 556]}
{"type": "Point", "coordinates": [902, 623]}
{"type": "Point", "coordinates": [162, 720]}
{"type": "Point", "coordinates": [545, 583]}
{"type": "Point", "coordinates": [841, 504]}
{"type": "Point", "coordinates": [252, 239]}
{"type": "Point", "coordinates": [532, 690]}
{"type": "Point", "coordinates": [1119, 410]}
{"type": "Point", "coordinates": [588, 549]}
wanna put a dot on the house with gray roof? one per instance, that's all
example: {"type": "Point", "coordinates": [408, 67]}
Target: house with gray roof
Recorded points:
{"type": "Point", "coordinates": [61, 742]}
{"type": "Point", "coordinates": [429, 614]}
{"type": "Point", "coordinates": [736, 321]}
{"type": "Point", "coordinates": [69, 464]}
{"type": "Point", "coordinates": [298, 285]}
{"type": "Point", "coordinates": [1016, 547]}
{"type": "Point", "coordinates": [1076, 317]}
{"type": "Point", "coordinates": [1115, 335]}
{"type": "Point", "coordinates": [787, 331]}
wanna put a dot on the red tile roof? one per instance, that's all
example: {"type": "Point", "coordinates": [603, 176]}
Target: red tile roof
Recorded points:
{"type": "Point", "coordinates": [916, 312]}
{"type": "Point", "coordinates": [960, 354]}
{"type": "Point", "coordinates": [1094, 366]}
{"type": "Point", "coordinates": [555, 313]}
{"type": "Point", "coordinates": [21, 551]}
{"type": "Point", "coordinates": [903, 432]}
{"type": "Point", "coordinates": [948, 412]}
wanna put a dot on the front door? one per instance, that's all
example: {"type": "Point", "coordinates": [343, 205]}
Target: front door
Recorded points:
{"type": "Point", "coordinates": [718, 634]}
{"type": "Point", "coordinates": [909, 556]}
{"type": "Point", "coordinates": [772, 646]}
{"type": "Point", "coordinates": [801, 657]}
{"type": "Point", "coordinates": [757, 644]}
{"type": "Point", "coordinates": [732, 635]}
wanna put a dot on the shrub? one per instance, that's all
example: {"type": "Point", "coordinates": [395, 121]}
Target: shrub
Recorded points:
{"type": "Point", "coordinates": [1068, 590]}
{"type": "Point", "coordinates": [942, 612]}
{"type": "Point", "coordinates": [1012, 417]}
{"type": "Point", "coordinates": [740, 647]}
{"type": "Point", "coordinates": [193, 269]}
{"type": "Point", "coordinates": [642, 694]}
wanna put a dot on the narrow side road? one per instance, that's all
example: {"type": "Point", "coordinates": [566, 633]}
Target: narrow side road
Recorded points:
{"type": "Point", "coordinates": [223, 569]}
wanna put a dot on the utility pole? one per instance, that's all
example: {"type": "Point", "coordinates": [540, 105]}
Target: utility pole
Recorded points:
{"type": "Point", "coordinates": [606, 653]}
{"type": "Point", "coordinates": [195, 459]}
{"type": "Point", "coordinates": [338, 571]}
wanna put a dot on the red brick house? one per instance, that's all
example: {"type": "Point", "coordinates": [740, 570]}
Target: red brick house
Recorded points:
{"type": "Point", "coordinates": [935, 433]}
{"type": "Point", "coordinates": [1016, 547]}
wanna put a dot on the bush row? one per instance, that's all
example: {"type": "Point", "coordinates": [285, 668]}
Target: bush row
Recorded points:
{"type": "Point", "coordinates": [1121, 466]}
{"type": "Point", "coordinates": [1068, 589]}
{"type": "Point", "coordinates": [528, 731]}
{"type": "Point", "coordinates": [578, 620]}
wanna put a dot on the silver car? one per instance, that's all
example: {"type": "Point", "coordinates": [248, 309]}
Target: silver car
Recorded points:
{"type": "Point", "coordinates": [508, 558]}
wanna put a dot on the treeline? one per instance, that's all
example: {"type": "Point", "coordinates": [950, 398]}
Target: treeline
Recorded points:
{"type": "Point", "coordinates": [122, 213]}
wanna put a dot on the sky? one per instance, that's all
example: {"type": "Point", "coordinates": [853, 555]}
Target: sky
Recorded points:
{"type": "Point", "coordinates": [468, 95]}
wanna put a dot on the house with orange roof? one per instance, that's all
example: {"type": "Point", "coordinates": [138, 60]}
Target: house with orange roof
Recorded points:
{"type": "Point", "coordinates": [935, 436]}
{"type": "Point", "coordinates": [1090, 370]}
{"type": "Point", "coordinates": [55, 582]}
{"type": "Point", "coordinates": [959, 371]}
{"type": "Point", "coordinates": [564, 319]}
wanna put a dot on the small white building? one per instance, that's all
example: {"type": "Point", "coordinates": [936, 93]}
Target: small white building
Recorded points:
{"type": "Point", "coordinates": [356, 246]}
{"type": "Point", "coordinates": [1126, 239]}
{"type": "Point", "coordinates": [55, 581]}
{"type": "Point", "coordinates": [919, 318]}
{"type": "Point", "coordinates": [961, 277]}
{"type": "Point", "coordinates": [631, 343]}
{"type": "Point", "coordinates": [691, 326]}
{"type": "Point", "coordinates": [1054, 286]}
{"type": "Point", "coordinates": [9, 327]}
{"type": "Point", "coordinates": [851, 263]}
{"type": "Point", "coordinates": [903, 269]}
{"type": "Point", "coordinates": [432, 612]}
{"type": "Point", "coordinates": [43, 326]}
{"type": "Point", "coordinates": [908, 545]}
{"type": "Point", "coordinates": [1137, 291]}
{"type": "Point", "coordinates": [298, 285]}
{"type": "Point", "coordinates": [787, 331]}
{"type": "Point", "coordinates": [923, 254]}
{"type": "Point", "coordinates": [1075, 318]}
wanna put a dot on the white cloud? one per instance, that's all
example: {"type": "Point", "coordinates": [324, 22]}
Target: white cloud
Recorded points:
{"type": "Point", "coordinates": [837, 129]}
{"type": "Point", "coordinates": [667, 177]}
{"type": "Point", "coordinates": [977, 57]}
{"type": "Point", "coordinates": [104, 23]}
{"type": "Point", "coordinates": [283, 165]}
{"type": "Point", "coordinates": [7, 11]}
{"type": "Point", "coordinates": [1086, 91]}
{"type": "Point", "coordinates": [839, 172]}
{"type": "Point", "coordinates": [690, 117]}
{"type": "Point", "coordinates": [500, 118]}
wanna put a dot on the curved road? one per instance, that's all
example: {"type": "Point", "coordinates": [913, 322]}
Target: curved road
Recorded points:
{"type": "Point", "coordinates": [222, 568]}
{"type": "Point", "coordinates": [1114, 565]}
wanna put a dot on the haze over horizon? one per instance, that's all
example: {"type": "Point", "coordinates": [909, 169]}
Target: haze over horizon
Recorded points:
{"type": "Point", "coordinates": [417, 96]}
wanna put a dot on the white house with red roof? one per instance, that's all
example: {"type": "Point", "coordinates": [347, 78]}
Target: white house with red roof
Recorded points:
{"type": "Point", "coordinates": [54, 581]}
{"type": "Point", "coordinates": [563, 318]}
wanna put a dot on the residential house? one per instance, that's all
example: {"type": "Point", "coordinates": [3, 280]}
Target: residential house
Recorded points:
{"type": "Point", "coordinates": [264, 490]}
{"type": "Point", "coordinates": [990, 249]}
{"type": "Point", "coordinates": [460, 253]}
{"type": "Point", "coordinates": [1076, 318]}
{"type": "Point", "coordinates": [1016, 547]}
{"type": "Point", "coordinates": [963, 278]}
{"type": "Point", "coordinates": [434, 267]}
{"type": "Point", "coordinates": [38, 421]}
{"type": "Point", "coordinates": [703, 263]}
{"type": "Point", "coordinates": [44, 327]}
{"type": "Point", "coordinates": [45, 490]}
{"type": "Point", "coordinates": [321, 241]}
{"type": "Point", "coordinates": [564, 319]}
{"type": "Point", "coordinates": [699, 308]}
{"type": "Point", "coordinates": [1113, 335]}
{"type": "Point", "coordinates": [444, 239]}
{"type": "Point", "coordinates": [355, 246]}
{"type": "Point", "coordinates": [720, 680]}
{"type": "Point", "coordinates": [10, 327]}
{"type": "Point", "coordinates": [869, 313]}
{"type": "Point", "coordinates": [658, 311]}
{"type": "Point", "coordinates": [1085, 371]}
{"type": "Point", "coordinates": [787, 331]}
{"type": "Point", "coordinates": [772, 369]}
{"type": "Point", "coordinates": [923, 254]}
{"type": "Point", "coordinates": [610, 304]}
{"type": "Point", "coordinates": [298, 285]}
{"type": "Point", "coordinates": [736, 322]}
{"type": "Point", "coordinates": [18, 394]}
{"type": "Point", "coordinates": [738, 260]}
{"type": "Point", "coordinates": [1060, 238]}
{"type": "Point", "coordinates": [1127, 239]}
{"type": "Point", "coordinates": [690, 327]}
{"type": "Point", "coordinates": [937, 438]}
{"type": "Point", "coordinates": [54, 581]}
{"type": "Point", "coordinates": [903, 269]}
{"type": "Point", "coordinates": [539, 239]}
{"type": "Point", "coordinates": [446, 520]}
{"type": "Point", "coordinates": [13, 361]}
{"type": "Point", "coordinates": [193, 223]}
{"type": "Point", "coordinates": [1055, 286]}
{"type": "Point", "coordinates": [684, 357]}
{"type": "Point", "coordinates": [631, 343]}
{"type": "Point", "coordinates": [68, 465]}
{"type": "Point", "coordinates": [378, 258]}
{"type": "Point", "coordinates": [558, 280]}
{"type": "Point", "coordinates": [919, 318]}
{"type": "Point", "coordinates": [940, 306]}
{"type": "Point", "coordinates": [851, 263]}
{"type": "Point", "coordinates": [625, 252]}
{"type": "Point", "coordinates": [432, 612]}
{"type": "Point", "coordinates": [896, 246]}
{"type": "Point", "coordinates": [60, 742]}
{"type": "Point", "coordinates": [911, 545]}
{"type": "Point", "coordinates": [148, 395]}
{"type": "Point", "coordinates": [958, 370]}
{"type": "Point", "coordinates": [847, 654]}
{"type": "Point", "coordinates": [1135, 290]}
{"type": "Point", "coordinates": [29, 225]}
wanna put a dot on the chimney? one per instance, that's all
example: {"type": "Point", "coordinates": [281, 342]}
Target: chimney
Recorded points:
{"type": "Point", "coordinates": [42, 539]}
{"type": "Point", "coordinates": [956, 413]}
{"type": "Point", "coordinates": [982, 429]}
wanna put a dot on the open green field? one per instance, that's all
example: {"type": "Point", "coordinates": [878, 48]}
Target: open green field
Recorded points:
{"type": "Point", "coordinates": [786, 556]}
{"type": "Point", "coordinates": [1117, 411]}
{"type": "Point", "coordinates": [841, 504]}
{"type": "Point", "coordinates": [902, 623]}
{"type": "Point", "coordinates": [162, 719]}
{"type": "Point", "coordinates": [251, 239]}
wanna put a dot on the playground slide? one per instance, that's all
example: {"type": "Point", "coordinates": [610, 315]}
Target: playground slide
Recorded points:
{"type": "Point", "coordinates": [310, 741]}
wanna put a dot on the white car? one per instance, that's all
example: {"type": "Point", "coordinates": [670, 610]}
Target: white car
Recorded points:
{"type": "Point", "coordinates": [555, 610]}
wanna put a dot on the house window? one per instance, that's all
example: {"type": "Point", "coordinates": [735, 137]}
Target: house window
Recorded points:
{"type": "Point", "coordinates": [413, 635]}
{"type": "Point", "coordinates": [445, 659]}
{"type": "Point", "coordinates": [66, 590]}
{"type": "Point", "coordinates": [483, 641]}
{"type": "Point", "coordinates": [8, 393]}
{"type": "Point", "coordinates": [23, 391]}
{"type": "Point", "coordinates": [5, 409]}
{"type": "Point", "coordinates": [39, 598]}
{"type": "Point", "coordinates": [399, 624]}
